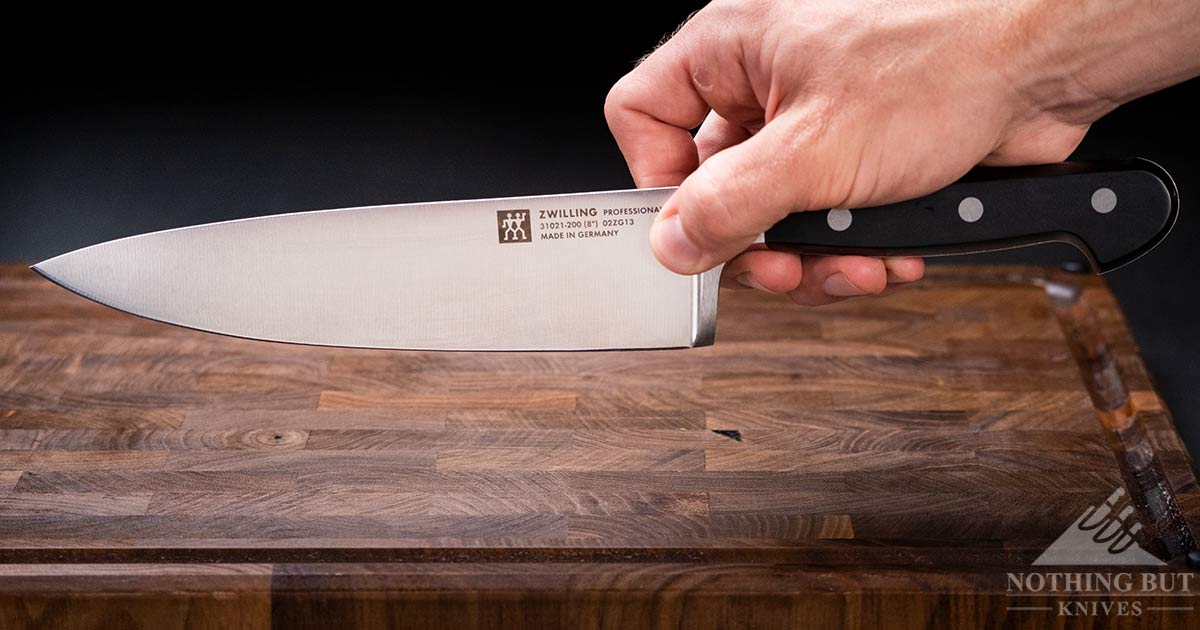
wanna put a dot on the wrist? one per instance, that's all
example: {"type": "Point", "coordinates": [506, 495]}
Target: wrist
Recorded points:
{"type": "Point", "coordinates": [1080, 59]}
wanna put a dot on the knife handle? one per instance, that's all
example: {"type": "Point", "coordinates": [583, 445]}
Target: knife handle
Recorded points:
{"type": "Point", "coordinates": [1112, 211]}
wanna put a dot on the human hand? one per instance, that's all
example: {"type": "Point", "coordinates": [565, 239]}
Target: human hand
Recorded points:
{"type": "Point", "coordinates": [814, 104]}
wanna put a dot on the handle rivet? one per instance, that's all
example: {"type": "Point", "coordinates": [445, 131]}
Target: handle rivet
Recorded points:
{"type": "Point", "coordinates": [970, 209]}
{"type": "Point", "coordinates": [1074, 266]}
{"type": "Point", "coordinates": [839, 220]}
{"type": "Point", "coordinates": [1104, 200]}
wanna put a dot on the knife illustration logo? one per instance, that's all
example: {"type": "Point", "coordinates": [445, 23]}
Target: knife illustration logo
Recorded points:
{"type": "Point", "coordinates": [1102, 535]}
{"type": "Point", "coordinates": [513, 226]}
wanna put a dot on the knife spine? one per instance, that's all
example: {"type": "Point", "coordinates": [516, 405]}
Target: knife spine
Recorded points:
{"type": "Point", "coordinates": [705, 290]}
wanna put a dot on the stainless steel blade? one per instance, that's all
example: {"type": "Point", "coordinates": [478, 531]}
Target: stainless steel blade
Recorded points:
{"type": "Point", "coordinates": [555, 272]}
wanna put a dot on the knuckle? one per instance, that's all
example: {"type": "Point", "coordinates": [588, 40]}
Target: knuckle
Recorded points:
{"type": "Point", "coordinates": [805, 141]}
{"type": "Point", "coordinates": [875, 282]}
{"type": "Point", "coordinates": [616, 104]}
{"type": "Point", "coordinates": [709, 218]}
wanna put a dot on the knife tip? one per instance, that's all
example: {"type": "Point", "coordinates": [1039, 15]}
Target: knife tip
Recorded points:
{"type": "Point", "coordinates": [49, 272]}
{"type": "Point", "coordinates": [41, 269]}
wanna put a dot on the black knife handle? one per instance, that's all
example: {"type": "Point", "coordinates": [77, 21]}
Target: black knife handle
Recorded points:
{"type": "Point", "coordinates": [1112, 211]}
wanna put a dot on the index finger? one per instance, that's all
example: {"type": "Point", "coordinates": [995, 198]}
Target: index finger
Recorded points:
{"type": "Point", "coordinates": [650, 112]}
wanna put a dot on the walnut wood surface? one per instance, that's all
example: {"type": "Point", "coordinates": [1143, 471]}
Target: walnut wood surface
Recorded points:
{"type": "Point", "coordinates": [897, 457]}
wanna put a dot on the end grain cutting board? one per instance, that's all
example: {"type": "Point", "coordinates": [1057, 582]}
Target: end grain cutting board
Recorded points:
{"type": "Point", "coordinates": [880, 463]}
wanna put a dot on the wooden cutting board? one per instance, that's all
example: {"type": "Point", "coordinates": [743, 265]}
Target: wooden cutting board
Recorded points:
{"type": "Point", "coordinates": [880, 463]}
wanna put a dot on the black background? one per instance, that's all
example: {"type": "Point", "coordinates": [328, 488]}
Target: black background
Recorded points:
{"type": "Point", "coordinates": [263, 118]}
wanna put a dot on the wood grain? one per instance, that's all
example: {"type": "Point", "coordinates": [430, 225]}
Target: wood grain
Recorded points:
{"type": "Point", "coordinates": [893, 460]}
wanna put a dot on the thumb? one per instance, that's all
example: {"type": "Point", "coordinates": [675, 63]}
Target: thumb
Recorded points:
{"type": "Point", "coordinates": [732, 198]}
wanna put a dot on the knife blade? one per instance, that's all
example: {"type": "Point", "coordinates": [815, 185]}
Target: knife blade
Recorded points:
{"type": "Point", "coordinates": [566, 272]}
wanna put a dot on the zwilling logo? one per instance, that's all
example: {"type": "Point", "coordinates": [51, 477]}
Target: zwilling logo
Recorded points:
{"type": "Point", "coordinates": [513, 226]}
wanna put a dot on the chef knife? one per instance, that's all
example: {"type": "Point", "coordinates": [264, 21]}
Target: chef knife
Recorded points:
{"type": "Point", "coordinates": [566, 272]}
